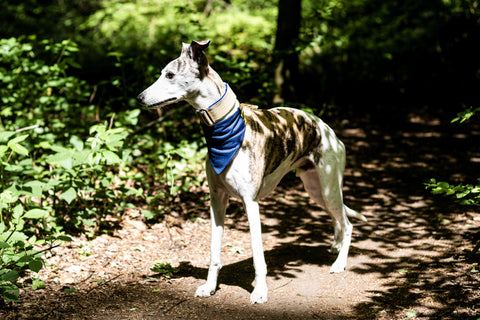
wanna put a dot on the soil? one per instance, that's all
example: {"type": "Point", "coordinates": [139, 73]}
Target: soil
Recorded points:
{"type": "Point", "coordinates": [412, 259]}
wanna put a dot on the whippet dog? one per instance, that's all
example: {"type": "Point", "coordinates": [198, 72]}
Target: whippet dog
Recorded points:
{"type": "Point", "coordinates": [249, 151]}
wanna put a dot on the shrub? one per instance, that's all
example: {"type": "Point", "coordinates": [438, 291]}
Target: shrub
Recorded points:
{"type": "Point", "coordinates": [465, 194]}
{"type": "Point", "coordinates": [50, 166]}
{"type": "Point", "coordinates": [61, 169]}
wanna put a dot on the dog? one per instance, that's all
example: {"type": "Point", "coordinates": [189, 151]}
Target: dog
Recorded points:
{"type": "Point", "coordinates": [249, 151]}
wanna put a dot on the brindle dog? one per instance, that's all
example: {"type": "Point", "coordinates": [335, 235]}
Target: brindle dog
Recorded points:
{"type": "Point", "coordinates": [275, 141]}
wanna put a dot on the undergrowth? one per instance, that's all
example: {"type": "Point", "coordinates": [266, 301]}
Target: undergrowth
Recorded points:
{"type": "Point", "coordinates": [66, 166]}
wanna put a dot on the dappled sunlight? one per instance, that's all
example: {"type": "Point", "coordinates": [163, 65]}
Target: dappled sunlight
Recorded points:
{"type": "Point", "coordinates": [104, 206]}
{"type": "Point", "coordinates": [411, 255]}
{"type": "Point", "coordinates": [406, 237]}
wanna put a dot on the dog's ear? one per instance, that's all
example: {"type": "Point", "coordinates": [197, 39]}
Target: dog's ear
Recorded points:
{"type": "Point", "coordinates": [185, 50]}
{"type": "Point", "coordinates": [194, 50]}
{"type": "Point", "coordinates": [197, 55]}
{"type": "Point", "coordinates": [199, 45]}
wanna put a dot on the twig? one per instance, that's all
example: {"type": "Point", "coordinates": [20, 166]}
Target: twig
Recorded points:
{"type": "Point", "coordinates": [28, 128]}
{"type": "Point", "coordinates": [91, 274]}
{"type": "Point", "coordinates": [175, 305]}
{"type": "Point", "coordinates": [103, 283]}
{"type": "Point", "coordinates": [281, 286]}
{"type": "Point", "coordinates": [36, 253]}
{"type": "Point", "coordinates": [474, 251]}
{"type": "Point", "coordinates": [166, 113]}
{"type": "Point", "coordinates": [153, 122]}
{"type": "Point", "coordinates": [9, 156]}
{"type": "Point", "coordinates": [48, 249]}
{"type": "Point", "coordinates": [20, 130]}
{"type": "Point", "coordinates": [92, 96]}
{"type": "Point", "coordinates": [111, 121]}
{"type": "Point", "coordinates": [81, 305]}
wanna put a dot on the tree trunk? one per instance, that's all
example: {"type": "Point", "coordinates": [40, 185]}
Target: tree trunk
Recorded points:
{"type": "Point", "coordinates": [285, 55]}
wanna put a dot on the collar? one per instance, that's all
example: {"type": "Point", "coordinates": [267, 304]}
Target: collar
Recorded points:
{"type": "Point", "coordinates": [218, 111]}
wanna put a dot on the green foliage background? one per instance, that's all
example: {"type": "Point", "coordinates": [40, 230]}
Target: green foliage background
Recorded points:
{"type": "Point", "coordinates": [76, 149]}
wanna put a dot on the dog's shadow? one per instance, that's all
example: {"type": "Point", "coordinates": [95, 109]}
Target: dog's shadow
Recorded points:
{"type": "Point", "coordinates": [284, 261]}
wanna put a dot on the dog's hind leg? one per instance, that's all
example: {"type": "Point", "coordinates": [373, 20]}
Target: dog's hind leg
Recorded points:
{"type": "Point", "coordinates": [259, 294]}
{"type": "Point", "coordinates": [327, 193]}
{"type": "Point", "coordinates": [323, 181]}
{"type": "Point", "coordinates": [218, 205]}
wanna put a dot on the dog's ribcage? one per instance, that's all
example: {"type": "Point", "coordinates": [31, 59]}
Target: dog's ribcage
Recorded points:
{"type": "Point", "coordinates": [276, 141]}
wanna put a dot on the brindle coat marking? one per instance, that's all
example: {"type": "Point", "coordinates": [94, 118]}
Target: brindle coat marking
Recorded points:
{"type": "Point", "coordinates": [283, 134]}
{"type": "Point", "coordinates": [276, 141]}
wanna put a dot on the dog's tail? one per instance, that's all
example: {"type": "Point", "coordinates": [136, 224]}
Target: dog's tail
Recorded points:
{"type": "Point", "coordinates": [354, 214]}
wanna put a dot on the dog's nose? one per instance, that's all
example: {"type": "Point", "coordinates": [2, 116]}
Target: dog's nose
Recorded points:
{"type": "Point", "coordinates": [141, 97]}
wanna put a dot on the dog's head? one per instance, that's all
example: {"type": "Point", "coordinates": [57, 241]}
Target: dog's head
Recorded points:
{"type": "Point", "coordinates": [180, 79]}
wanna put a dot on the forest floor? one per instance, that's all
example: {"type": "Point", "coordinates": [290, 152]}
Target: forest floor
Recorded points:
{"type": "Point", "coordinates": [410, 260]}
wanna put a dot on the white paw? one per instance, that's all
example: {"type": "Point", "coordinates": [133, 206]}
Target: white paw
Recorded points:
{"type": "Point", "coordinates": [259, 295]}
{"type": "Point", "coordinates": [338, 266]}
{"type": "Point", "coordinates": [205, 290]}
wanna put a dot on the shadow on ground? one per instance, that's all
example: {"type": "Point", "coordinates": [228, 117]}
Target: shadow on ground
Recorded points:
{"type": "Point", "coordinates": [417, 243]}
{"type": "Point", "coordinates": [410, 260]}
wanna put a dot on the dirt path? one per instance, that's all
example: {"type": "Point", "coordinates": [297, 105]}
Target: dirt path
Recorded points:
{"type": "Point", "coordinates": [408, 261]}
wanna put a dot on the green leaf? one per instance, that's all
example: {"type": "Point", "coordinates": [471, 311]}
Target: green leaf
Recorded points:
{"type": "Point", "coordinates": [443, 185]}
{"type": "Point", "coordinates": [462, 194]}
{"type": "Point", "coordinates": [64, 238]}
{"type": "Point", "coordinates": [5, 135]}
{"type": "Point", "coordinates": [19, 139]}
{"type": "Point", "coordinates": [80, 157]}
{"type": "Point", "coordinates": [17, 236]}
{"type": "Point", "coordinates": [36, 213]}
{"type": "Point", "coordinates": [69, 195]}
{"type": "Point", "coordinates": [35, 265]}
{"type": "Point", "coordinates": [36, 186]}
{"type": "Point", "coordinates": [11, 276]}
{"type": "Point", "coordinates": [4, 245]}
{"type": "Point", "coordinates": [3, 149]}
{"type": "Point", "coordinates": [100, 128]}
{"type": "Point", "coordinates": [25, 259]}
{"type": "Point", "coordinates": [17, 211]}
{"type": "Point", "coordinates": [148, 214]}
{"type": "Point", "coordinates": [18, 148]}
{"type": "Point", "coordinates": [164, 268]}
{"type": "Point", "coordinates": [465, 115]}
{"type": "Point", "coordinates": [77, 143]}
{"type": "Point", "coordinates": [63, 159]}
{"type": "Point", "coordinates": [132, 116]}
{"type": "Point", "coordinates": [8, 196]}
{"type": "Point", "coordinates": [111, 157]}
{"type": "Point", "coordinates": [10, 292]}
{"type": "Point", "coordinates": [70, 290]}
{"type": "Point", "coordinates": [38, 284]}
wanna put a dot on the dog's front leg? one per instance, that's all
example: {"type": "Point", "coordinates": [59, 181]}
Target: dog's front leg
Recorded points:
{"type": "Point", "coordinates": [259, 294]}
{"type": "Point", "coordinates": [218, 205]}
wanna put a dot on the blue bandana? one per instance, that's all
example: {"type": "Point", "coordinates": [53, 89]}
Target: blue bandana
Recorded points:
{"type": "Point", "coordinates": [224, 139]}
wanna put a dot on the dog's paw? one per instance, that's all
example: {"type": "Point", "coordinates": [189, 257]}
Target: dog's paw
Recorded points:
{"type": "Point", "coordinates": [337, 267]}
{"type": "Point", "coordinates": [205, 290]}
{"type": "Point", "coordinates": [259, 295]}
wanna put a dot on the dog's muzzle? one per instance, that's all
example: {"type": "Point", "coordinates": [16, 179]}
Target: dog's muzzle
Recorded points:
{"type": "Point", "coordinates": [141, 99]}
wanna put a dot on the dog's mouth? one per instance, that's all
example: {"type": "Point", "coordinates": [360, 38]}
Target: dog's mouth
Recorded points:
{"type": "Point", "coordinates": [161, 103]}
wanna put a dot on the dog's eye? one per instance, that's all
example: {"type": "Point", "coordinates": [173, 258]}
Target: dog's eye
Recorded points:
{"type": "Point", "coordinates": [170, 75]}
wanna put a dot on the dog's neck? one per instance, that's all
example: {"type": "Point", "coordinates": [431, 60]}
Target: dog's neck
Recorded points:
{"type": "Point", "coordinates": [209, 90]}
{"type": "Point", "coordinates": [214, 100]}
{"type": "Point", "coordinates": [222, 121]}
